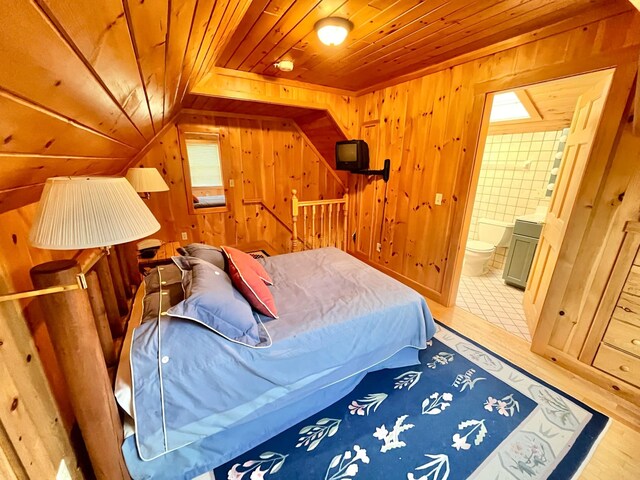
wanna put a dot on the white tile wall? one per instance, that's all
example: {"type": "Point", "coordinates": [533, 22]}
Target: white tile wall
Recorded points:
{"type": "Point", "coordinates": [513, 179]}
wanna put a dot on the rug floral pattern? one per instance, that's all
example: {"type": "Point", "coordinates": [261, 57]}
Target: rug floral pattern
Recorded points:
{"type": "Point", "coordinates": [462, 413]}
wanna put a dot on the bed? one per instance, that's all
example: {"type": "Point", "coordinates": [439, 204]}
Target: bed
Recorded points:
{"type": "Point", "coordinates": [197, 400]}
{"type": "Point", "coordinates": [210, 201]}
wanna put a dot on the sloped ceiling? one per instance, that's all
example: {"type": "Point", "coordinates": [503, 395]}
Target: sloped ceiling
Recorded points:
{"type": "Point", "coordinates": [84, 85]}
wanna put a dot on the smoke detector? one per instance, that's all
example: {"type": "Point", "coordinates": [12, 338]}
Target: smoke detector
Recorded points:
{"type": "Point", "coordinates": [284, 65]}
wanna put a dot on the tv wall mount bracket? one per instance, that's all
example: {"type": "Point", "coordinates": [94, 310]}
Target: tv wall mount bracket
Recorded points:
{"type": "Point", "coordinates": [384, 172]}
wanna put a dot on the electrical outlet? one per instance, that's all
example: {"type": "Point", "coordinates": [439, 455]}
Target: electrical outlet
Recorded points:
{"type": "Point", "coordinates": [378, 247]}
{"type": "Point", "coordinates": [438, 199]}
{"type": "Point", "coordinates": [232, 183]}
{"type": "Point", "coordinates": [185, 236]}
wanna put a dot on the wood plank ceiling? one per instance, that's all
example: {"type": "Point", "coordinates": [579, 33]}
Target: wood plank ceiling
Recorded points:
{"type": "Point", "coordinates": [390, 37]}
{"type": "Point", "coordinates": [83, 87]}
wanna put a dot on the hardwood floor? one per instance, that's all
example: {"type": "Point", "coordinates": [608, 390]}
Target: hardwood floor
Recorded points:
{"type": "Point", "coordinates": [616, 456]}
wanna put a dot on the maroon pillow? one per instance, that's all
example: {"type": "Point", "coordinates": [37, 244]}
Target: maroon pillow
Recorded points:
{"type": "Point", "coordinates": [248, 282]}
{"type": "Point", "coordinates": [251, 263]}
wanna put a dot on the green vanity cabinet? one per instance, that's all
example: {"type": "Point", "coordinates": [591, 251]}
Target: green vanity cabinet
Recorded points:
{"type": "Point", "coordinates": [521, 251]}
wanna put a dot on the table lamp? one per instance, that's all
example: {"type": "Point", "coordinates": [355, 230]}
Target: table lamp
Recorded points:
{"type": "Point", "coordinates": [146, 180]}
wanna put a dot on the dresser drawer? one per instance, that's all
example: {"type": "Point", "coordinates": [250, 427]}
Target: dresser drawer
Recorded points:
{"type": "Point", "coordinates": [619, 364]}
{"type": "Point", "coordinates": [628, 309]}
{"type": "Point", "coordinates": [624, 336]}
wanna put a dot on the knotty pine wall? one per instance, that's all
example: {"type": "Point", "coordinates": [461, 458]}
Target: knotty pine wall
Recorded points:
{"type": "Point", "coordinates": [266, 158]}
{"type": "Point", "coordinates": [428, 128]}
{"type": "Point", "coordinates": [35, 411]}
{"type": "Point", "coordinates": [83, 89]}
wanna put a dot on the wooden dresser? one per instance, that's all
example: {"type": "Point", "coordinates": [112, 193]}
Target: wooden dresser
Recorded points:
{"type": "Point", "coordinates": [614, 347]}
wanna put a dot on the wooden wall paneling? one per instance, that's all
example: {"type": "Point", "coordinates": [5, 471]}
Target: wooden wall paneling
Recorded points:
{"type": "Point", "coordinates": [224, 27]}
{"type": "Point", "coordinates": [253, 12]}
{"type": "Point", "coordinates": [266, 159]}
{"type": "Point", "coordinates": [231, 152]}
{"type": "Point", "coordinates": [36, 413]}
{"type": "Point", "coordinates": [148, 23]}
{"type": "Point", "coordinates": [418, 233]}
{"type": "Point", "coordinates": [394, 113]}
{"type": "Point", "coordinates": [22, 170]}
{"type": "Point", "coordinates": [449, 125]}
{"type": "Point", "coordinates": [225, 83]}
{"type": "Point", "coordinates": [266, 21]}
{"type": "Point", "coordinates": [366, 188]}
{"type": "Point", "coordinates": [432, 26]}
{"type": "Point", "coordinates": [179, 25]}
{"type": "Point", "coordinates": [101, 36]}
{"type": "Point", "coordinates": [375, 27]}
{"type": "Point", "coordinates": [578, 25]}
{"type": "Point", "coordinates": [292, 37]}
{"type": "Point", "coordinates": [485, 32]}
{"type": "Point", "coordinates": [10, 465]}
{"type": "Point", "coordinates": [65, 86]}
{"type": "Point", "coordinates": [55, 135]}
{"type": "Point", "coordinates": [252, 152]}
{"type": "Point", "coordinates": [636, 104]}
{"type": "Point", "coordinates": [389, 38]}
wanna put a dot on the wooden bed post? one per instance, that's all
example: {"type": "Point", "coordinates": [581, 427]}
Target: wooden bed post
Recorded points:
{"type": "Point", "coordinates": [294, 207]}
{"type": "Point", "coordinates": [124, 270]}
{"type": "Point", "coordinates": [72, 329]}
{"type": "Point", "coordinates": [109, 296]}
{"type": "Point", "coordinates": [100, 317]}
{"type": "Point", "coordinates": [118, 283]}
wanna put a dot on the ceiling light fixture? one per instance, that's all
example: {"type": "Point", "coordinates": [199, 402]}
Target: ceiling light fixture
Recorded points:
{"type": "Point", "coordinates": [333, 30]}
{"type": "Point", "coordinates": [284, 65]}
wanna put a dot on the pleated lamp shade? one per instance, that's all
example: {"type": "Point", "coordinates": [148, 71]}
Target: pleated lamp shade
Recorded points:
{"type": "Point", "coordinates": [146, 180]}
{"type": "Point", "coordinates": [88, 212]}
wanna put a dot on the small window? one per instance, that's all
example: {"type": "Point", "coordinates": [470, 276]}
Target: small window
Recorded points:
{"type": "Point", "coordinates": [513, 106]}
{"type": "Point", "coordinates": [205, 182]}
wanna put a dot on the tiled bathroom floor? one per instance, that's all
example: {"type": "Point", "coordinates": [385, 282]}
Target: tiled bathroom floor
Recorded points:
{"type": "Point", "coordinates": [488, 297]}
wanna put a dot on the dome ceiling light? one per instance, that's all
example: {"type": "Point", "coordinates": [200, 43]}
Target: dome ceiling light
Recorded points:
{"type": "Point", "coordinates": [333, 30]}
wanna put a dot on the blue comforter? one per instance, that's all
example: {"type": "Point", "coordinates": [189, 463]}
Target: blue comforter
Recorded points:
{"type": "Point", "coordinates": [338, 318]}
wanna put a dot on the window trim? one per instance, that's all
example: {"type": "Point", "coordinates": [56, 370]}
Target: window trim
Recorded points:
{"type": "Point", "coordinates": [201, 132]}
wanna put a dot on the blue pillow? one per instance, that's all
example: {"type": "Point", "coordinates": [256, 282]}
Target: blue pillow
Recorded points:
{"type": "Point", "coordinates": [211, 300]}
{"type": "Point", "coordinates": [211, 254]}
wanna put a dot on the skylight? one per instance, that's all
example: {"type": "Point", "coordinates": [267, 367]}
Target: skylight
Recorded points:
{"type": "Point", "coordinates": [508, 107]}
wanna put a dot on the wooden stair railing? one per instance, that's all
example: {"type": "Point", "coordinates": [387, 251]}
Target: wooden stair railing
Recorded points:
{"type": "Point", "coordinates": [324, 223]}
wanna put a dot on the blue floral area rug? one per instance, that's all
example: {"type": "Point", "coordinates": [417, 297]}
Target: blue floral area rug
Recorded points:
{"type": "Point", "coordinates": [463, 413]}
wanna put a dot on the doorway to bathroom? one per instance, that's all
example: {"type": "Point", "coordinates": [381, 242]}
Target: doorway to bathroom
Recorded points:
{"type": "Point", "coordinates": [533, 133]}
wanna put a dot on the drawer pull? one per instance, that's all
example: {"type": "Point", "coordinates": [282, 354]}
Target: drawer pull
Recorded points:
{"type": "Point", "coordinates": [636, 341]}
{"type": "Point", "coordinates": [624, 368]}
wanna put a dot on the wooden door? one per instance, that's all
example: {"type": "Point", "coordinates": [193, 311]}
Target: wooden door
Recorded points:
{"type": "Point", "coordinates": [585, 122]}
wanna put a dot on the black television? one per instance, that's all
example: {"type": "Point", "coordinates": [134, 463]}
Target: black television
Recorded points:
{"type": "Point", "coordinates": [352, 155]}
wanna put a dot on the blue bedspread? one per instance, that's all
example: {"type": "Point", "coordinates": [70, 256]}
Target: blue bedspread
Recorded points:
{"type": "Point", "coordinates": [338, 319]}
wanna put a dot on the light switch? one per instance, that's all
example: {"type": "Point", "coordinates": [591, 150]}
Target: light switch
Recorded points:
{"type": "Point", "coordinates": [438, 199]}
{"type": "Point", "coordinates": [232, 183]}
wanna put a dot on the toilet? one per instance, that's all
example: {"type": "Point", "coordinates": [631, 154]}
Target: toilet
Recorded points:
{"type": "Point", "coordinates": [491, 234]}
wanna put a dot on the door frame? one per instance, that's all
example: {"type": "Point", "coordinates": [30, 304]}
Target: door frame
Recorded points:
{"type": "Point", "coordinates": [625, 65]}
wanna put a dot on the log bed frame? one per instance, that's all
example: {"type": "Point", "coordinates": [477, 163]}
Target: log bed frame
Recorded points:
{"type": "Point", "coordinates": [82, 324]}
{"type": "Point", "coordinates": [87, 301]}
